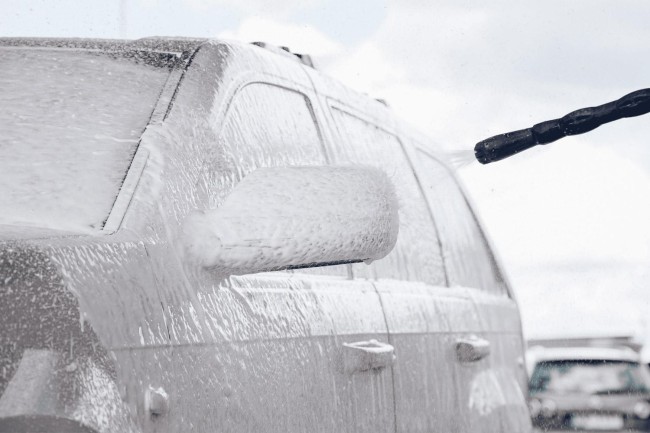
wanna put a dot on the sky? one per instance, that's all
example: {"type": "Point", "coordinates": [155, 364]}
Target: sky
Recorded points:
{"type": "Point", "coordinates": [570, 219]}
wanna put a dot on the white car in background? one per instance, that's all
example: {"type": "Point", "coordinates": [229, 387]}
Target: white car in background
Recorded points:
{"type": "Point", "coordinates": [589, 389]}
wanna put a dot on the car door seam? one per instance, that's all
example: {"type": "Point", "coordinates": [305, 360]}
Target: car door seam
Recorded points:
{"type": "Point", "coordinates": [392, 370]}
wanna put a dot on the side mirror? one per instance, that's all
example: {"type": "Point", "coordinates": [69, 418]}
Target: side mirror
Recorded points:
{"type": "Point", "coordinates": [296, 217]}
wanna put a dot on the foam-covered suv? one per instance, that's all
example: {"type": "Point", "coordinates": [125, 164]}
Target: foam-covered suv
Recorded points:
{"type": "Point", "coordinates": [202, 236]}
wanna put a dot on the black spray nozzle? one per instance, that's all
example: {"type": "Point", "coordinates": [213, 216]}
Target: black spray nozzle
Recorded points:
{"type": "Point", "coordinates": [577, 122]}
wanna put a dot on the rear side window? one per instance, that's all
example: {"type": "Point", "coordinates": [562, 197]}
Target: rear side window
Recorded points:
{"type": "Point", "coordinates": [265, 126]}
{"type": "Point", "coordinates": [468, 259]}
{"type": "Point", "coordinates": [416, 255]}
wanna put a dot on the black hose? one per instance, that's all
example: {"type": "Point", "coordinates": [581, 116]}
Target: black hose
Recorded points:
{"type": "Point", "coordinates": [577, 122]}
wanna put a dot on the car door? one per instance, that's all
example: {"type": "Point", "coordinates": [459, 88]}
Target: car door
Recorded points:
{"type": "Point", "coordinates": [271, 351]}
{"type": "Point", "coordinates": [428, 314]}
{"type": "Point", "coordinates": [483, 318]}
{"type": "Point", "coordinates": [407, 280]}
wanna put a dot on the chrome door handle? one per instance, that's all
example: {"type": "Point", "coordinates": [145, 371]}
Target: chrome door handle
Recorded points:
{"type": "Point", "coordinates": [367, 355]}
{"type": "Point", "coordinates": [472, 348]}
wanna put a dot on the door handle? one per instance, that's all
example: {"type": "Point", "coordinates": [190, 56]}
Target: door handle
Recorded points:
{"type": "Point", "coordinates": [367, 355]}
{"type": "Point", "coordinates": [472, 348]}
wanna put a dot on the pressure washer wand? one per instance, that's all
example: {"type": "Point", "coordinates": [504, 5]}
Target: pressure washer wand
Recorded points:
{"type": "Point", "coordinates": [577, 122]}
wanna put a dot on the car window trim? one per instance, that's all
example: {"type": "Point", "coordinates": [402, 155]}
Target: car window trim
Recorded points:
{"type": "Point", "coordinates": [494, 257]}
{"type": "Point", "coordinates": [139, 161]}
{"type": "Point", "coordinates": [334, 104]}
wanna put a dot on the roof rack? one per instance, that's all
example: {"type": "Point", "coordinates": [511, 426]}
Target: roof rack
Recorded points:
{"type": "Point", "coordinates": [305, 59]}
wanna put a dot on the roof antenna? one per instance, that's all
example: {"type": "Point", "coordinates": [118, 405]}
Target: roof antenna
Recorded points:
{"type": "Point", "coordinates": [577, 122]}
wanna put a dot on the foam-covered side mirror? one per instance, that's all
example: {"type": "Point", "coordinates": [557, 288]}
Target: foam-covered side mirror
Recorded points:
{"type": "Point", "coordinates": [296, 217]}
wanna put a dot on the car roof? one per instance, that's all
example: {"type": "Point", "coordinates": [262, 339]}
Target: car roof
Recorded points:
{"type": "Point", "coordinates": [178, 50]}
{"type": "Point", "coordinates": [583, 354]}
{"type": "Point", "coordinates": [160, 44]}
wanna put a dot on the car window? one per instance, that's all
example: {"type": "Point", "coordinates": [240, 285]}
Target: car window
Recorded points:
{"type": "Point", "coordinates": [416, 255]}
{"type": "Point", "coordinates": [70, 122]}
{"type": "Point", "coordinates": [468, 259]}
{"type": "Point", "coordinates": [265, 126]}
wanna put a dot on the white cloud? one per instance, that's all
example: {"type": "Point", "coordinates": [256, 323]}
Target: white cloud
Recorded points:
{"type": "Point", "coordinates": [365, 68]}
{"type": "Point", "coordinates": [506, 65]}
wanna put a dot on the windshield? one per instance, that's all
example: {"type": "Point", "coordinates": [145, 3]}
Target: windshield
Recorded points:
{"type": "Point", "coordinates": [588, 377]}
{"type": "Point", "coordinates": [70, 122]}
